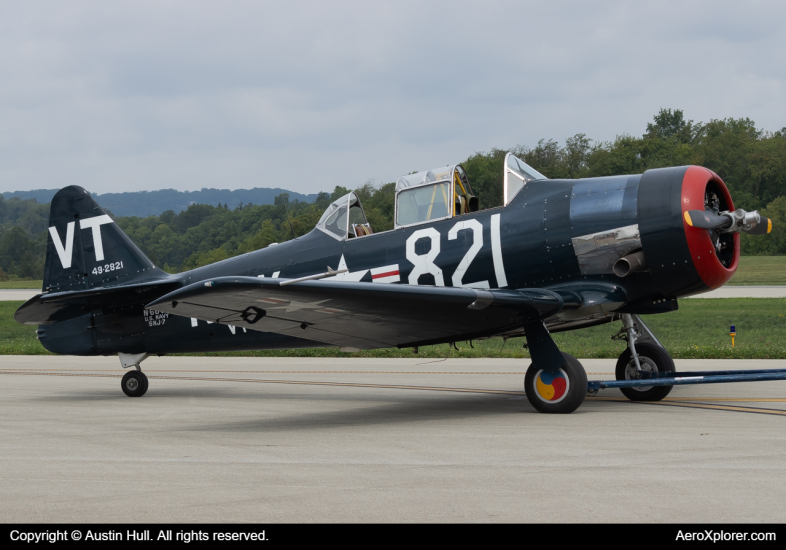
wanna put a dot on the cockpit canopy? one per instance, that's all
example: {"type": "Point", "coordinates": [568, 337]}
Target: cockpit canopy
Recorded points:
{"type": "Point", "coordinates": [424, 197]}
{"type": "Point", "coordinates": [433, 195]}
{"type": "Point", "coordinates": [344, 218]}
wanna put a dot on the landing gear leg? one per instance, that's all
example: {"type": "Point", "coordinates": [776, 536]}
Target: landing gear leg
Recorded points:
{"type": "Point", "coordinates": [134, 383]}
{"type": "Point", "coordinates": [644, 355]}
{"type": "Point", "coordinates": [555, 382]}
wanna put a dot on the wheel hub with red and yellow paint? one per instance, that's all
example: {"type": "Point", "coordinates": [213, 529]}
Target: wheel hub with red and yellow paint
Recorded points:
{"type": "Point", "coordinates": [552, 387]}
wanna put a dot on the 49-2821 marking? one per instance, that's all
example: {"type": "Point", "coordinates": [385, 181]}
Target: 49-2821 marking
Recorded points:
{"type": "Point", "coordinates": [106, 268]}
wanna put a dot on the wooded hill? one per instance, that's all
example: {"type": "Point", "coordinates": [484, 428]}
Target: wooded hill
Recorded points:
{"type": "Point", "coordinates": [154, 203]}
{"type": "Point", "coordinates": [751, 161]}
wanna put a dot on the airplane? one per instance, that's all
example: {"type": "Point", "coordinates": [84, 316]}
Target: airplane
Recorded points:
{"type": "Point", "coordinates": [558, 255]}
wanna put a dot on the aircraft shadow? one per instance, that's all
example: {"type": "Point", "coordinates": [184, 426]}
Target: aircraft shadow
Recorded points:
{"type": "Point", "coordinates": [395, 411]}
{"type": "Point", "coordinates": [362, 409]}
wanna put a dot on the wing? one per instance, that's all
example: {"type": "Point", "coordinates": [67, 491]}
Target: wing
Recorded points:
{"type": "Point", "coordinates": [360, 315]}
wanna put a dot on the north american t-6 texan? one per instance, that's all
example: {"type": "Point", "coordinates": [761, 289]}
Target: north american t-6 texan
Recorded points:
{"type": "Point", "coordinates": [558, 255]}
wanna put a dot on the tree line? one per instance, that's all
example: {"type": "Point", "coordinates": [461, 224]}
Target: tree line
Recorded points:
{"type": "Point", "coordinates": [750, 160]}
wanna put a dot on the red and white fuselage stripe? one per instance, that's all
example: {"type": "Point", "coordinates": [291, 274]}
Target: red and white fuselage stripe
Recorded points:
{"type": "Point", "coordinates": [385, 274]}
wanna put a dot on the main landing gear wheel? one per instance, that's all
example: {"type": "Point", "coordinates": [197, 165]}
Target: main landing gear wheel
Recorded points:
{"type": "Point", "coordinates": [134, 383]}
{"type": "Point", "coordinates": [652, 359]}
{"type": "Point", "coordinates": [558, 392]}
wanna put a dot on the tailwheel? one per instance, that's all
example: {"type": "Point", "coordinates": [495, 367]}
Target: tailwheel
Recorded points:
{"type": "Point", "coordinates": [134, 383]}
{"type": "Point", "coordinates": [557, 392]}
{"type": "Point", "coordinates": [652, 359]}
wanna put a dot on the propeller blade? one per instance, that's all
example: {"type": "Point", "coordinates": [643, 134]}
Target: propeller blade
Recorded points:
{"type": "Point", "coordinates": [761, 228]}
{"type": "Point", "coordinates": [706, 220]}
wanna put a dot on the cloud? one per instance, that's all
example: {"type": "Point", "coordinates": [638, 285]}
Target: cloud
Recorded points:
{"type": "Point", "coordinates": [310, 95]}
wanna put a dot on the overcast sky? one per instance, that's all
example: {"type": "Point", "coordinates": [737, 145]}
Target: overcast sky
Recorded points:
{"type": "Point", "coordinates": [127, 96]}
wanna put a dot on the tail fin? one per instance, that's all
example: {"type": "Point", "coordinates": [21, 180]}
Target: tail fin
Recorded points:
{"type": "Point", "coordinates": [86, 249]}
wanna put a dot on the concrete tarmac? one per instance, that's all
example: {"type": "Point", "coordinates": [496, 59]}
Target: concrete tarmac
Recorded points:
{"type": "Point", "coordinates": [378, 440]}
{"type": "Point", "coordinates": [746, 291]}
{"type": "Point", "coordinates": [15, 294]}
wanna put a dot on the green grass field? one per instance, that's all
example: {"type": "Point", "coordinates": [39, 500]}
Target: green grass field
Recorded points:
{"type": "Point", "coordinates": [700, 329]}
{"type": "Point", "coordinates": [760, 270]}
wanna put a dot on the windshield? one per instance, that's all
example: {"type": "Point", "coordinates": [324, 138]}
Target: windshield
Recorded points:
{"type": "Point", "coordinates": [517, 174]}
{"type": "Point", "coordinates": [523, 170]}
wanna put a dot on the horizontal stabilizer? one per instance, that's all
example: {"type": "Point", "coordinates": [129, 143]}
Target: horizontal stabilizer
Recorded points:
{"type": "Point", "coordinates": [360, 315]}
{"type": "Point", "coordinates": [44, 309]}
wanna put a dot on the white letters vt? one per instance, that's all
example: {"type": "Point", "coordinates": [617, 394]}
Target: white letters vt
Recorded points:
{"type": "Point", "coordinates": [65, 249]}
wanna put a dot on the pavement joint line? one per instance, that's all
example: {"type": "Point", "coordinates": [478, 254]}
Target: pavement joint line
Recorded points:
{"type": "Point", "coordinates": [689, 405]}
{"type": "Point", "coordinates": [668, 402]}
{"type": "Point", "coordinates": [521, 373]}
{"type": "Point", "coordinates": [682, 399]}
{"type": "Point", "coordinates": [294, 382]}
{"type": "Point", "coordinates": [686, 404]}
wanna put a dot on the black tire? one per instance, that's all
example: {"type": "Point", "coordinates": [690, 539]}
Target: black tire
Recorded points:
{"type": "Point", "coordinates": [134, 383]}
{"type": "Point", "coordinates": [652, 358]}
{"type": "Point", "coordinates": [547, 397]}
{"type": "Point", "coordinates": [147, 382]}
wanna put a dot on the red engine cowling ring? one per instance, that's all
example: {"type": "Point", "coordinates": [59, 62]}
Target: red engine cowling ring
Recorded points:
{"type": "Point", "coordinates": [702, 251]}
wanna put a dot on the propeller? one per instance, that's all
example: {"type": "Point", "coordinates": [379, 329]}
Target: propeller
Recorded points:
{"type": "Point", "coordinates": [730, 222]}
{"type": "Point", "coordinates": [707, 220]}
{"type": "Point", "coordinates": [761, 228]}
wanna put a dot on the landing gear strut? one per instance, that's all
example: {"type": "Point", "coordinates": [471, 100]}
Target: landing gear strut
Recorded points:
{"type": "Point", "coordinates": [134, 383]}
{"type": "Point", "coordinates": [645, 354]}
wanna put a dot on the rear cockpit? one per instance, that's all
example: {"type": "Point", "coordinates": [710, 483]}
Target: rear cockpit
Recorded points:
{"type": "Point", "coordinates": [345, 219]}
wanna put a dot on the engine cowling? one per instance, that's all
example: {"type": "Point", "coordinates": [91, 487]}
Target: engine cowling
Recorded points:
{"type": "Point", "coordinates": [684, 259]}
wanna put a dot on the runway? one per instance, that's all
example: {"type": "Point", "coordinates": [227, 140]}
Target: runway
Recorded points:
{"type": "Point", "coordinates": [17, 294]}
{"type": "Point", "coordinates": [746, 291]}
{"type": "Point", "coordinates": [378, 440]}
{"type": "Point", "coordinates": [728, 291]}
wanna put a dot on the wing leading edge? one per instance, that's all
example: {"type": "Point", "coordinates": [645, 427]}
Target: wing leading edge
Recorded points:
{"type": "Point", "coordinates": [361, 315]}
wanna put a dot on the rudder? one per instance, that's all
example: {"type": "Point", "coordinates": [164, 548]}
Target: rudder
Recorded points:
{"type": "Point", "coordinates": [86, 249]}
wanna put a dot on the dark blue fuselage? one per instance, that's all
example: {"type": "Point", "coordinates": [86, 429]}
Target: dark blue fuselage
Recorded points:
{"type": "Point", "coordinates": [528, 243]}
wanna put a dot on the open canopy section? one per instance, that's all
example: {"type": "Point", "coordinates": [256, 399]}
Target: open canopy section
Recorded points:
{"type": "Point", "coordinates": [425, 177]}
{"type": "Point", "coordinates": [433, 195]}
{"type": "Point", "coordinates": [344, 218]}
{"type": "Point", "coordinates": [517, 174]}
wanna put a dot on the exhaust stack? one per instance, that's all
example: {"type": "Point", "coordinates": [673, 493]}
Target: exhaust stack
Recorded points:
{"type": "Point", "coordinates": [630, 264]}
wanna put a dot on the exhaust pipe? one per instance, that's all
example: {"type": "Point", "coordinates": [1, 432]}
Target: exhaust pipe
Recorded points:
{"type": "Point", "coordinates": [630, 264]}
